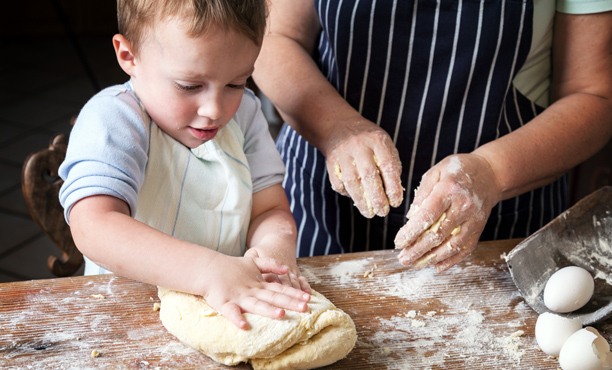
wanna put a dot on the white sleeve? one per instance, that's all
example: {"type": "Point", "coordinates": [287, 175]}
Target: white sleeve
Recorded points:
{"type": "Point", "coordinates": [584, 6]}
{"type": "Point", "coordinates": [265, 162]}
{"type": "Point", "coordinates": [107, 150]}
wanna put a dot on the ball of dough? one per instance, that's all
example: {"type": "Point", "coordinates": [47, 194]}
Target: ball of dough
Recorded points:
{"type": "Point", "coordinates": [318, 337]}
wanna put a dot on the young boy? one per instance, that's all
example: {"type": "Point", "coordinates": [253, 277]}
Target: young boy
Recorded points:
{"type": "Point", "coordinates": [180, 158]}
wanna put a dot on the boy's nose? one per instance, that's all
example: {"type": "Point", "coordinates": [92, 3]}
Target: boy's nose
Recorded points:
{"type": "Point", "coordinates": [211, 106]}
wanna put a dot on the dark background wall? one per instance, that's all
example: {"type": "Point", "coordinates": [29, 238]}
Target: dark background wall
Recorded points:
{"type": "Point", "coordinates": [43, 18]}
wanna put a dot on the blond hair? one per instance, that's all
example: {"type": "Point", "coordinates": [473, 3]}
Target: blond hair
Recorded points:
{"type": "Point", "coordinates": [137, 17]}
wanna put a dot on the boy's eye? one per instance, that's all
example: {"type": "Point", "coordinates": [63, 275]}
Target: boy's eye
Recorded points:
{"type": "Point", "coordinates": [186, 87]}
{"type": "Point", "coordinates": [238, 87]}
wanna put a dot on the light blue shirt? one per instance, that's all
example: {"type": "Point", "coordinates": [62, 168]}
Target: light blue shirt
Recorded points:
{"type": "Point", "coordinates": [201, 195]}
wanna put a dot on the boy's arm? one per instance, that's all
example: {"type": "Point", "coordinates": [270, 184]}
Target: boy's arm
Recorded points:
{"type": "Point", "coordinates": [104, 231]}
{"type": "Point", "coordinates": [273, 233]}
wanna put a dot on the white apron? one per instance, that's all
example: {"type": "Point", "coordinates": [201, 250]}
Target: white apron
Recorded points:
{"type": "Point", "coordinates": [202, 195]}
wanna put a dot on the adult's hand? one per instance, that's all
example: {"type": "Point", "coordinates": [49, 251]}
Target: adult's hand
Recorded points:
{"type": "Point", "coordinates": [363, 163]}
{"type": "Point", "coordinates": [449, 212]}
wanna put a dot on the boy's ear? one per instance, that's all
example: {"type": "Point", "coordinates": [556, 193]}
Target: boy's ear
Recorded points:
{"type": "Point", "coordinates": [125, 54]}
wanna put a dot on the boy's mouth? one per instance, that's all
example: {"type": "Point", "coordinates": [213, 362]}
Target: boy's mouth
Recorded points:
{"type": "Point", "coordinates": [204, 134]}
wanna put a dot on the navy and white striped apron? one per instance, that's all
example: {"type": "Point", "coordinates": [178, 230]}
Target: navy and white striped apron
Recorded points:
{"type": "Point", "coordinates": [437, 76]}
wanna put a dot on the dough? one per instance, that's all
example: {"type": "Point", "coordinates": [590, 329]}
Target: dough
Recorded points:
{"type": "Point", "coordinates": [427, 258]}
{"type": "Point", "coordinates": [319, 337]}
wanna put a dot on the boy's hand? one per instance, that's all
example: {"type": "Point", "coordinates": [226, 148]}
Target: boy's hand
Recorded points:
{"type": "Point", "coordinates": [293, 278]}
{"type": "Point", "coordinates": [236, 285]}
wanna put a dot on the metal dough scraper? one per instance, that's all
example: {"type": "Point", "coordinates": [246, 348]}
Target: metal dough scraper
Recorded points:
{"type": "Point", "coordinates": [581, 236]}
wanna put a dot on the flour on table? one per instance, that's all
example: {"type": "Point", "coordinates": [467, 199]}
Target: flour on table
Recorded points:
{"type": "Point", "coordinates": [310, 276]}
{"type": "Point", "coordinates": [347, 271]}
{"type": "Point", "coordinates": [458, 326]}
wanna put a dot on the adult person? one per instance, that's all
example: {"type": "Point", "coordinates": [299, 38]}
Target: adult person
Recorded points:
{"type": "Point", "coordinates": [486, 104]}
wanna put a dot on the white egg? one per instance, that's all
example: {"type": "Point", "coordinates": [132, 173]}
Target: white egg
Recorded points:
{"type": "Point", "coordinates": [586, 349]}
{"type": "Point", "coordinates": [568, 289]}
{"type": "Point", "coordinates": [552, 330]}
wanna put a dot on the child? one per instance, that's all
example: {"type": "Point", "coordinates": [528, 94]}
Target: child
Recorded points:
{"type": "Point", "coordinates": [180, 158]}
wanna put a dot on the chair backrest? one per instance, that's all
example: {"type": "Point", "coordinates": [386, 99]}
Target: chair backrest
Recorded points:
{"type": "Point", "coordinates": [40, 184]}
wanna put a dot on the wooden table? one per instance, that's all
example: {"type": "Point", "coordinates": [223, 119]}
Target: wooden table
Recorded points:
{"type": "Point", "coordinates": [469, 317]}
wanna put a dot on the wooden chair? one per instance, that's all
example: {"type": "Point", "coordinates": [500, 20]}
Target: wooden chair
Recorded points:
{"type": "Point", "coordinates": [40, 184]}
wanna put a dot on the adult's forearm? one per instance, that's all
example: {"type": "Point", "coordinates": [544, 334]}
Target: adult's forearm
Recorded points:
{"type": "Point", "coordinates": [577, 124]}
{"type": "Point", "coordinates": [567, 133]}
{"type": "Point", "coordinates": [290, 78]}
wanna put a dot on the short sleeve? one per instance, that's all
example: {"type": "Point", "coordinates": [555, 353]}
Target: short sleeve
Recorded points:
{"type": "Point", "coordinates": [265, 163]}
{"type": "Point", "coordinates": [107, 150]}
{"type": "Point", "coordinates": [583, 6]}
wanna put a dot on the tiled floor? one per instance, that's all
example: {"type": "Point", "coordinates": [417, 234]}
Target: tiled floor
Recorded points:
{"type": "Point", "coordinates": [43, 84]}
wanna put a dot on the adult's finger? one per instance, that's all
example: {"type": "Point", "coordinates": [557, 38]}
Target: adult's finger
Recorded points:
{"type": "Point", "coordinates": [463, 252]}
{"type": "Point", "coordinates": [372, 184]}
{"type": "Point", "coordinates": [334, 172]}
{"type": "Point", "coordinates": [450, 227]}
{"type": "Point", "coordinates": [422, 192]}
{"type": "Point", "coordinates": [388, 163]}
{"type": "Point", "coordinates": [441, 246]}
{"type": "Point", "coordinates": [351, 178]}
{"type": "Point", "coordinates": [426, 218]}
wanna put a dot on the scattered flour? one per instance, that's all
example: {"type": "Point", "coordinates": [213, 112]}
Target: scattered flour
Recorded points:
{"type": "Point", "coordinates": [459, 333]}
{"type": "Point", "coordinates": [173, 348]}
{"type": "Point", "coordinates": [348, 271]}
{"type": "Point", "coordinates": [311, 276]}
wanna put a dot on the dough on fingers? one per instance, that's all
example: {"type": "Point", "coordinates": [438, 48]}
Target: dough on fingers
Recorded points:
{"type": "Point", "coordinates": [318, 337]}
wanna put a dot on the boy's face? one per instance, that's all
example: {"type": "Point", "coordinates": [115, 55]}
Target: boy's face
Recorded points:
{"type": "Point", "coordinates": [191, 87]}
